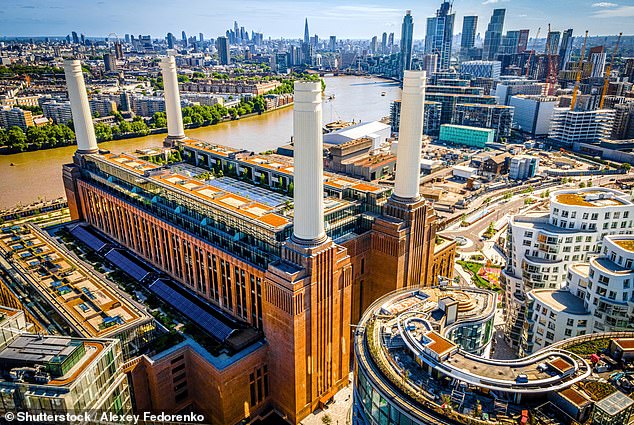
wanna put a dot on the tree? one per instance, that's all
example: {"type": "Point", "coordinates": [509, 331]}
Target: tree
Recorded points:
{"type": "Point", "coordinates": [291, 189]}
{"type": "Point", "coordinates": [582, 185]}
{"type": "Point", "coordinates": [103, 132]}
{"type": "Point", "coordinates": [259, 105]}
{"type": "Point", "coordinates": [125, 127]}
{"type": "Point", "coordinates": [326, 419]}
{"type": "Point", "coordinates": [159, 119]}
{"type": "Point", "coordinates": [117, 116]}
{"type": "Point", "coordinates": [3, 136]}
{"type": "Point", "coordinates": [16, 139]}
{"type": "Point", "coordinates": [197, 119]}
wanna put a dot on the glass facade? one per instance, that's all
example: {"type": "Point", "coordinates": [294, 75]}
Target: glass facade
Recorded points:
{"type": "Point", "coordinates": [99, 384]}
{"type": "Point", "coordinates": [247, 239]}
{"type": "Point", "coordinates": [474, 338]}
{"type": "Point", "coordinates": [373, 408]}
{"type": "Point", "coordinates": [468, 136]}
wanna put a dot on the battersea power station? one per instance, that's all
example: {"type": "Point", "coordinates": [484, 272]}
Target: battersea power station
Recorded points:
{"type": "Point", "coordinates": [273, 258]}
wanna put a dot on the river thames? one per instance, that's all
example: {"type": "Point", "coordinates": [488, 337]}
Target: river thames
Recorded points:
{"type": "Point", "coordinates": [38, 175]}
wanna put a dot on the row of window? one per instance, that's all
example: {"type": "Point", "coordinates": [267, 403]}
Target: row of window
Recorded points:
{"type": "Point", "coordinates": [594, 216]}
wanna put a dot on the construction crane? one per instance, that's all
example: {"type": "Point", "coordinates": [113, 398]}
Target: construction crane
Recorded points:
{"type": "Point", "coordinates": [579, 72]}
{"type": "Point", "coordinates": [528, 61]}
{"type": "Point", "coordinates": [551, 78]}
{"type": "Point", "coordinates": [606, 80]}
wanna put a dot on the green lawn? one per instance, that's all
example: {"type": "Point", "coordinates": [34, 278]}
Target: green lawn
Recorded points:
{"type": "Point", "coordinates": [474, 268]}
{"type": "Point", "coordinates": [587, 348]}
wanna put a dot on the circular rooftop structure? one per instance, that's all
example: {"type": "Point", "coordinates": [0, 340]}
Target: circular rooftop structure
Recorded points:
{"type": "Point", "coordinates": [414, 345]}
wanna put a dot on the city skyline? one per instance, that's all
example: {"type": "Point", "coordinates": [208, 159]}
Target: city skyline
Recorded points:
{"type": "Point", "coordinates": [29, 18]}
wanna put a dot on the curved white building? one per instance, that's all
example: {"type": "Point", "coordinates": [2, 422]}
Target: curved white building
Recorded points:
{"type": "Point", "coordinates": [598, 297]}
{"type": "Point", "coordinates": [543, 246]}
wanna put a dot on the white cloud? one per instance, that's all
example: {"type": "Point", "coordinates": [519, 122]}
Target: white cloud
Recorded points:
{"type": "Point", "coordinates": [494, 1]}
{"type": "Point", "coordinates": [604, 4]}
{"type": "Point", "coordinates": [619, 12]}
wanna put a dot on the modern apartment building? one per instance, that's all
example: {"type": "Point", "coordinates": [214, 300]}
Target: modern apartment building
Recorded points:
{"type": "Point", "coordinates": [570, 127]}
{"type": "Point", "coordinates": [507, 88]}
{"type": "Point", "coordinates": [58, 111]}
{"type": "Point", "coordinates": [247, 250]}
{"type": "Point", "coordinates": [493, 35]}
{"type": "Point", "coordinates": [533, 114]}
{"type": "Point", "coordinates": [439, 35]}
{"type": "Point", "coordinates": [543, 246]}
{"type": "Point", "coordinates": [15, 117]}
{"type": "Point", "coordinates": [481, 69]}
{"type": "Point", "coordinates": [596, 298]}
{"type": "Point", "coordinates": [59, 295]}
{"type": "Point", "coordinates": [431, 122]}
{"type": "Point", "coordinates": [496, 117]}
{"type": "Point", "coordinates": [59, 374]}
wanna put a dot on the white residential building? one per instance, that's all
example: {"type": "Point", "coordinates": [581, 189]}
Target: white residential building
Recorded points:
{"type": "Point", "coordinates": [571, 127]}
{"type": "Point", "coordinates": [543, 246]}
{"type": "Point", "coordinates": [598, 297]}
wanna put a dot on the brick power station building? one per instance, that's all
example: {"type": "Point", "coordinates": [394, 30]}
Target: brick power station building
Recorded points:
{"type": "Point", "coordinates": [281, 283]}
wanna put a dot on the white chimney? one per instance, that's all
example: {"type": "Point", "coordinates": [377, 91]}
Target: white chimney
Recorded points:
{"type": "Point", "coordinates": [82, 118]}
{"type": "Point", "coordinates": [308, 225]}
{"type": "Point", "coordinates": [410, 133]}
{"type": "Point", "coordinates": [172, 99]}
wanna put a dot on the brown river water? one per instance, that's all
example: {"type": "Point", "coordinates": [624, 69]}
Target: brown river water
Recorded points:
{"type": "Point", "coordinates": [38, 175]}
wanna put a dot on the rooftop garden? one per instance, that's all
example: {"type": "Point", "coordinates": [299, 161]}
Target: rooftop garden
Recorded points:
{"type": "Point", "coordinates": [479, 276]}
{"type": "Point", "coordinates": [627, 244]}
{"type": "Point", "coordinates": [586, 348]}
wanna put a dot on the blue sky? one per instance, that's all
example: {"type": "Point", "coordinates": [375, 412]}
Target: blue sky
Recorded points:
{"type": "Point", "coordinates": [285, 18]}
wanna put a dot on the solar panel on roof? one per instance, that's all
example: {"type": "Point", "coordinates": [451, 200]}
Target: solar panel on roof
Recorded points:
{"type": "Point", "coordinates": [87, 237]}
{"type": "Point", "coordinates": [254, 193]}
{"type": "Point", "coordinates": [128, 265]}
{"type": "Point", "coordinates": [191, 310]}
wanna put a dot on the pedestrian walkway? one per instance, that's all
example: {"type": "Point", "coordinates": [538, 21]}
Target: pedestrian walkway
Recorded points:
{"type": "Point", "coordinates": [338, 411]}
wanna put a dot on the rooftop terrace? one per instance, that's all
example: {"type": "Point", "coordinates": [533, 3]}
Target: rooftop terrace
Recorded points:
{"type": "Point", "coordinates": [592, 198]}
{"type": "Point", "coordinates": [89, 305]}
{"type": "Point", "coordinates": [403, 333]}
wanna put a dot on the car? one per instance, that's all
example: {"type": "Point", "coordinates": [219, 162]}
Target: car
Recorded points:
{"type": "Point", "coordinates": [521, 379]}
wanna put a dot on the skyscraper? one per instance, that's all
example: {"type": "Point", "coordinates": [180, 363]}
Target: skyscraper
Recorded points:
{"type": "Point", "coordinates": [439, 35]}
{"type": "Point", "coordinates": [510, 43]}
{"type": "Point", "coordinates": [333, 43]}
{"type": "Point", "coordinates": [493, 35]}
{"type": "Point", "coordinates": [597, 58]}
{"type": "Point", "coordinates": [552, 42]}
{"type": "Point", "coordinates": [118, 50]}
{"type": "Point", "coordinates": [109, 62]}
{"type": "Point", "coordinates": [75, 37]}
{"type": "Point", "coordinates": [222, 44]}
{"type": "Point", "coordinates": [374, 45]}
{"type": "Point", "coordinates": [523, 41]}
{"type": "Point", "coordinates": [469, 27]}
{"type": "Point", "coordinates": [201, 38]}
{"type": "Point", "coordinates": [565, 48]}
{"type": "Point", "coordinates": [384, 43]}
{"type": "Point", "coordinates": [407, 40]}
{"type": "Point", "coordinates": [306, 33]}
{"type": "Point", "coordinates": [184, 38]}
{"type": "Point", "coordinates": [170, 40]}
{"type": "Point", "coordinates": [390, 41]}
